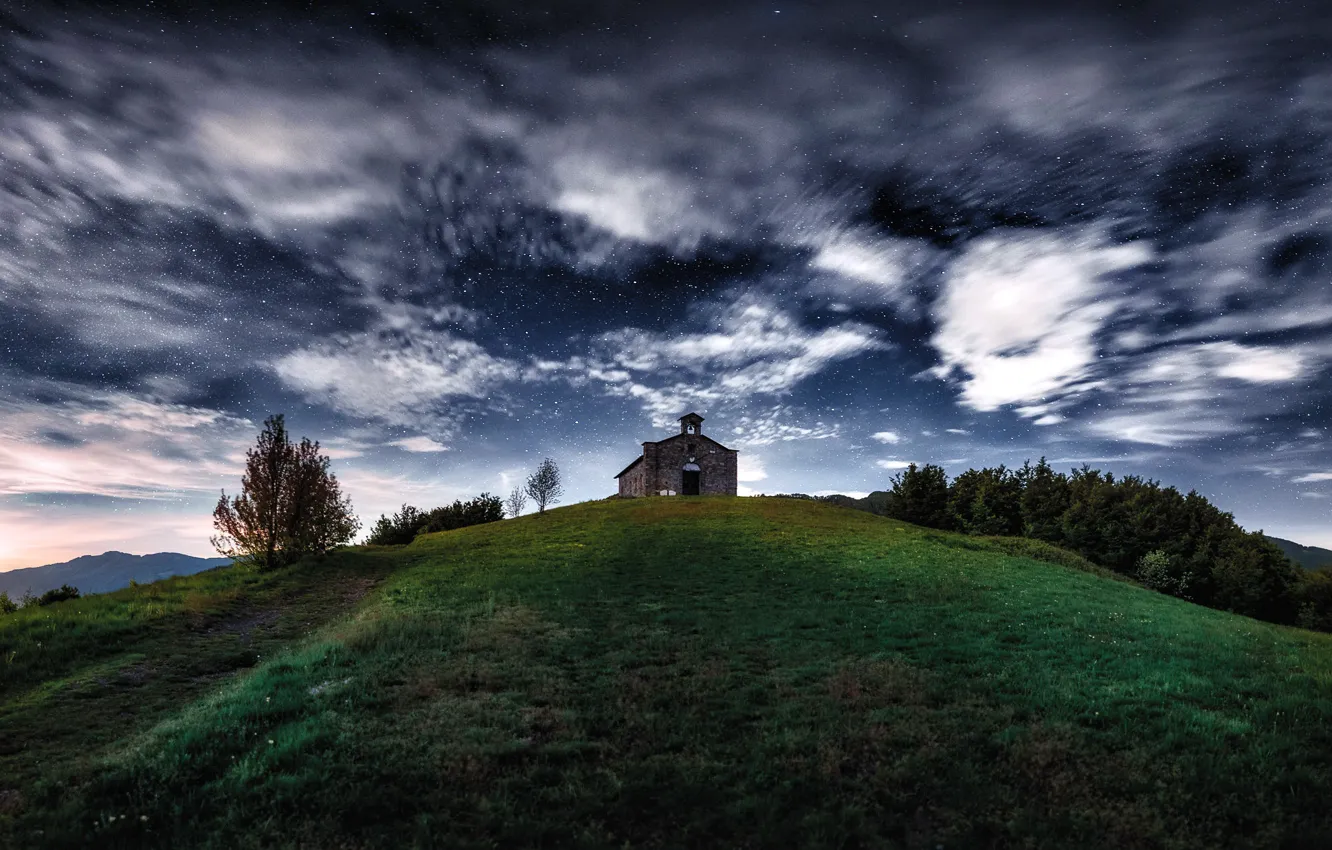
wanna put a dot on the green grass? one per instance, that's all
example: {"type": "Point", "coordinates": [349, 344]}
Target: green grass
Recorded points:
{"type": "Point", "coordinates": [666, 672]}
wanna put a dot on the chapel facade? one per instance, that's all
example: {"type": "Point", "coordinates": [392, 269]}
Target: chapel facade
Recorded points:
{"type": "Point", "coordinates": [686, 464]}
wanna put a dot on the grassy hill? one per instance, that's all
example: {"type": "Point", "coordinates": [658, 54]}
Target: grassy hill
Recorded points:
{"type": "Point", "coordinates": [653, 673]}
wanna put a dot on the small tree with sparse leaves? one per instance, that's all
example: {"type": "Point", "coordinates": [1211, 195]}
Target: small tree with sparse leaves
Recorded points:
{"type": "Point", "coordinates": [290, 504]}
{"type": "Point", "coordinates": [516, 503]}
{"type": "Point", "coordinates": [544, 485]}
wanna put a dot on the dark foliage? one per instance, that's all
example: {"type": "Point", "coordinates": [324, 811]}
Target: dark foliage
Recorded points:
{"type": "Point", "coordinates": [59, 594]}
{"type": "Point", "coordinates": [398, 529]}
{"type": "Point", "coordinates": [408, 522]}
{"type": "Point", "coordinates": [484, 508]}
{"type": "Point", "coordinates": [1177, 543]}
{"type": "Point", "coordinates": [986, 501]}
{"type": "Point", "coordinates": [7, 605]}
{"type": "Point", "coordinates": [920, 496]}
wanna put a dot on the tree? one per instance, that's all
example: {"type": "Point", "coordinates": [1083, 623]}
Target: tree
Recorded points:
{"type": "Point", "coordinates": [920, 496]}
{"type": "Point", "coordinates": [290, 504]}
{"type": "Point", "coordinates": [398, 529]}
{"type": "Point", "coordinates": [516, 503]}
{"type": "Point", "coordinates": [544, 485]}
{"type": "Point", "coordinates": [7, 605]}
{"type": "Point", "coordinates": [986, 501]}
{"type": "Point", "coordinates": [1044, 501]}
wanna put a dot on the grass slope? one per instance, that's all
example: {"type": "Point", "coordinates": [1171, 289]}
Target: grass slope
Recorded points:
{"type": "Point", "coordinates": [703, 672]}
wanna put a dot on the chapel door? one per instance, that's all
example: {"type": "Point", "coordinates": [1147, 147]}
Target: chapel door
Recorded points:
{"type": "Point", "coordinates": [690, 484]}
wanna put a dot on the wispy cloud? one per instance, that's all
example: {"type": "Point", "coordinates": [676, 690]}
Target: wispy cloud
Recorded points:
{"type": "Point", "coordinates": [1020, 313]}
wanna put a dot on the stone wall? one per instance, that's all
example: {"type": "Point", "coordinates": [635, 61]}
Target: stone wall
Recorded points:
{"type": "Point", "coordinates": [717, 465]}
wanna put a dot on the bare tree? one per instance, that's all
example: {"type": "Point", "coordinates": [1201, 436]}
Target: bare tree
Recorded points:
{"type": "Point", "coordinates": [290, 505]}
{"type": "Point", "coordinates": [544, 485]}
{"type": "Point", "coordinates": [516, 503]}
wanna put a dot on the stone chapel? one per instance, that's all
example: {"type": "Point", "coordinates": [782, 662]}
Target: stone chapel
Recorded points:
{"type": "Point", "coordinates": [685, 464]}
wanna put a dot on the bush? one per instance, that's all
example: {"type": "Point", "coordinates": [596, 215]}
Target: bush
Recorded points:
{"type": "Point", "coordinates": [59, 594]}
{"type": "Point", "coordinates": [406, 524]}
{"type": "Point", "coordinates": [398, 529]}
{"type": "Point", "coordinates": [1313, 601]}
{"type": "Point", "coordinates": [1157, 571]}
{"type": "Point", "coordinates": [7, 605]}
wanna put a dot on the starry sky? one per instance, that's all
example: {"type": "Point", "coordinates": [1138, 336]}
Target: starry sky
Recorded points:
{"type": "Point", "coordinates": [448, 242]}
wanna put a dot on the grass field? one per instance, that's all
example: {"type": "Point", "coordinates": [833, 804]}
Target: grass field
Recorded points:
{"type": "Point", "coordinates": [660, 673]}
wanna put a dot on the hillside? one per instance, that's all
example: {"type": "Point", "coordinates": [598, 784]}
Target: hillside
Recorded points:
{"type": "Point", "coordinates": [107, 571]}
{"type": "Point", "coordinates": [650, 673]}
{"type": "Point", "coordinates": [1309, 557]}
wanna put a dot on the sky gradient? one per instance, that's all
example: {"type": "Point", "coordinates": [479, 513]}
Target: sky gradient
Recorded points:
{"type": "Point", "coordinates": [447, 244]}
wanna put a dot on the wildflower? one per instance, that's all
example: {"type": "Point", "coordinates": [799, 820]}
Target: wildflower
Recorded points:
{"type": "Point", "coordinates": [143, 818]}
{"type": "Point", "coordinates": [270, 740]}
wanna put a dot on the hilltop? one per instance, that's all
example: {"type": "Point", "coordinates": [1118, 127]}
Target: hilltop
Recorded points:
{"type": "Point", "coordinates": [664, 672]}
{"type": "Point", "coordinates": [107, 571]}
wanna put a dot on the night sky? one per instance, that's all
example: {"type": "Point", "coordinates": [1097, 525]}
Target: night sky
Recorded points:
{"type": "Point", "coordinates": [449, 242]}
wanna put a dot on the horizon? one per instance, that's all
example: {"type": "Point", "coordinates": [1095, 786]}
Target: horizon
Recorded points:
{"type": "Point", "coordinates": [449, 244]}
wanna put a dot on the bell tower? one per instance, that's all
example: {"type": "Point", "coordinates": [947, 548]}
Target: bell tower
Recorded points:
{"type": "Point", "coordinates": [691, 423]}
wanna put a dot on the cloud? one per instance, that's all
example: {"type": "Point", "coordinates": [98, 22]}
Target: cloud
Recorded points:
{"type": "Point", "coordinates": [1254, 364]}
{"type": "Point", "coordinates": [1019, 316]}
{"type": "Point", "coordinates": [890, 437]}
{"type": "Point", "coordinates": [396, 377]}
{"type": "Point", "coordinates": [735, 350]}
{"type": "Point", "coordinates": [751, 468]}
{"type": "Point", "coordinates": [116, 445]}
{"type": "Point", "coordinates": [1312, 477]}
{"type": "Point", "coordinates": [892, 464]}
{"type": "Point", "coordinates": [419, 445]}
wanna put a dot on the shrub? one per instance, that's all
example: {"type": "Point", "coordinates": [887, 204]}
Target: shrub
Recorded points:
{"type": "Point", "coordinates": [398, 529]}
{"type": "Point", "coordinates": [1157, 571]}
{"type": "Point", "coordinates": [1313, 601]}
{"type": "Point", "coordinates": [484, 508]}
{"type": "Point", "coordinates": [7, 605]}
{"type": "Point", "coordinates": [59, 594]}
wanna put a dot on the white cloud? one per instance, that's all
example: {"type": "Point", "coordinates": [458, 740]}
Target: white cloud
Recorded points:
{"type": "Point", "coordinates": [419, 445]}
{"type": "Point", "coordinates": [744, 348]}
{"type": "Point", "coordinates": [637, 204]}
{"type": "Point", "coordinates": [1314, 476]}
{"type": "Point", "coordinates": [779, 425]}
{"type": "Point", "coordinates": [117, 445]}
{"type": "Point", "coordinates": [399, 378]}
{"type": "Point", "coordinates": [1250, 363]}
{"type": "Point", "coordinates": [1020, 313]}
{"type": "Point", "coordinates": [1164, 426]}
{"type": "Point", "coordinates": [959, 431]}
{"type": "Point", "coordinates": [892, 464]}
{"type": "Point", "coordinates": [750, 468]}
{"type": "Point", "coordinates": [890, 437]}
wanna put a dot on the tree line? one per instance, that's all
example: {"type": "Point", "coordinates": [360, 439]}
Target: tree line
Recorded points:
{"type": "Point", "coordinates": [1173, 542]}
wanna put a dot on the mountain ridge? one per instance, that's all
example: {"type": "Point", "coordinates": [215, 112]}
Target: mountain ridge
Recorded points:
{"type": "Point", "coordinates": [108, 571]}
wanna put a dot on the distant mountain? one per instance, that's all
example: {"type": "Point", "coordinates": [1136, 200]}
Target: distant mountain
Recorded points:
{"type": "Point", "coordinates": [104, 572]}
{"type": "Point", "coordinates": [1309, 557]}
